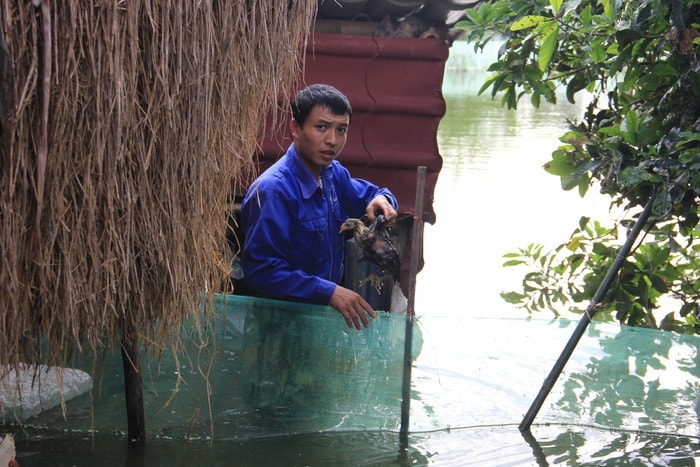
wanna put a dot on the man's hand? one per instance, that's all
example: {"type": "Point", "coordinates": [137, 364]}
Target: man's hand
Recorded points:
{"type": "Point", "coordinates": [381, 205]}
{"type": "Point", "coordinates": [352, 306]}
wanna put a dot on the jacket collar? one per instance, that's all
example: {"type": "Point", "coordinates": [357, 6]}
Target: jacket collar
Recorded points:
{"type": "Point", "coordinates": [307, 182]}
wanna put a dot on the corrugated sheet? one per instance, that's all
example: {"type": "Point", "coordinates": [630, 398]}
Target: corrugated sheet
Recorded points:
{"type": "Point", "coordinates": [438, 11]}
{"type": "Point", "coordinates": [394, 86]}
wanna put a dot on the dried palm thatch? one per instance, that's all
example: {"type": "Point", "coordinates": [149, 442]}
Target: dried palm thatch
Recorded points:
{"type": "Point", "coordinates": [129, 120]}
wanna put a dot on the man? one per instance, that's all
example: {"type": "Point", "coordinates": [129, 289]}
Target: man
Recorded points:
{"type": "Point", "coordinates": [292, 213]}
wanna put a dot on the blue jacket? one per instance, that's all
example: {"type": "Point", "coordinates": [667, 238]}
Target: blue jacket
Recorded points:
{"type": "Point", "coordinates": [292, 248]}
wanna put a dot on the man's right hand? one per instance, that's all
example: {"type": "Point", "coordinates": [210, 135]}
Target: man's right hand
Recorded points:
{"type": "Point", "coordinates": [352, 306]}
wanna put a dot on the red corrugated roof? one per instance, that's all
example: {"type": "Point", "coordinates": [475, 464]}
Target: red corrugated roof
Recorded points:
{"type": "Point", "coordinates": [394, 86]}
{"type": "Point", "coordinates": [441, 11]}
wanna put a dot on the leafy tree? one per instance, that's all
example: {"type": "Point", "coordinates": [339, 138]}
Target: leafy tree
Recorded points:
{"type": "Point", "coordinates": [638, 64]}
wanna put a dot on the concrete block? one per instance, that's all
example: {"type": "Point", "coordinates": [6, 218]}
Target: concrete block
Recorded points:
{"type": "Point", "coordinates": [34, 389]}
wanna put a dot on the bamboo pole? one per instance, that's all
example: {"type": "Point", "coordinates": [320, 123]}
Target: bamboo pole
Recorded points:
{"type": "Point", "coordinates": [416, 242]}
{"type": "Point", "coordinates": [586, 319]}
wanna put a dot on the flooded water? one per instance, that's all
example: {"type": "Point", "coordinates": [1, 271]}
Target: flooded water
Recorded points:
{"type": "Point", "coordinates": [626, 397]}
{"type": "Point", "coordinates": [492, 194]}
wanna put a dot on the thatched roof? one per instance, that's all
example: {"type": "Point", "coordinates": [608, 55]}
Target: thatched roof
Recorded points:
{"type": "Point", "coordinates": [127, 122]}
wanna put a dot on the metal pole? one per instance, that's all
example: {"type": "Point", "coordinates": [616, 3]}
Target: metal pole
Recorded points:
{"type": "Point", "coordinates": [416, 242]}
{"type": "Point", "coordinates": [587, 316]}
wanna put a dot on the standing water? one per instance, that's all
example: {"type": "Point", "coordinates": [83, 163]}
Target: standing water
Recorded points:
{"type": "Point", "coordinates": [492, 194]}
{"type": "Point", "coordinates": [627, 396]}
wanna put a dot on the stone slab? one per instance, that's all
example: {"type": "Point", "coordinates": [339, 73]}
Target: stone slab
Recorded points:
{"type": "Point", "coordinates": [34, 389]}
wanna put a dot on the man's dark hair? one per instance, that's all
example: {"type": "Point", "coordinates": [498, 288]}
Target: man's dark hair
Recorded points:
{"type": "Point", "coordinates": [324, 95]}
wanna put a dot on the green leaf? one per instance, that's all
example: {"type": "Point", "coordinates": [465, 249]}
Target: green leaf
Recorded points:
{"type": "Point", "coordinates": [527, 22]}
{"type": "Point", "coordinates": [539, 87]}
{"type": "Point", "coordinates": [621, 61]}
{"type": "Point", "coordinates": [498, 84]}
{"type": "Point", "coordinates": [612, 131]}
{"type": "Point", "coordinates": [664, 69]}
{"type": "Point", "coordinates": [556, 5]}
{"type": "Point", "coordinates": [579, 178]}
{"type": "Point", "coordinates": [687, 308]}
{"type": "Point", "coordinates": [549, 45]}
{"type": "Point", "coordinates": [583, 222]}
{"type": "Point", "coordinates": [571, 181]}
{"type": "Point", "coordinates": [609, 9]}
{"type": "Point", "coordinates": [662, 204]}
{"type": "Point", "coordinates": [491, 79]}
{"type": "Point", "coordinates": [632, 124]}
{"type": "Point", "coordinates": [648, 131]}
{"type": "Point", "coordinates": [513, 297]}
{"type": "Point", "coordinates": [636, 175]}
{"type": "Point", "coordinates": [625, 37]}
{"type": "Point", "coordinates": [574, 138]}
{"type": "Point", "coordinates": [576, 84]}
{"type": "Point", "coordinates": [659, 284]}
{"type": "Point", "coordinates": [587, 15]}
{"type": "Point", "coordinates": [598, 53]}
{"type": "Point", "coordinates": [689, 136]}
{"type": "Point", "coordinates": [583, 184]}
{"type": "Point", "coordinates": [560, 165]}
{"type": "Point", "coordinates": [510, 99]}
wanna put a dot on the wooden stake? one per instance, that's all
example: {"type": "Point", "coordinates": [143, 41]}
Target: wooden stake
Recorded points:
{"type": "Point", "coordinates": [416, 242]}
{"type": "Point", "coordinates": [133, 386]}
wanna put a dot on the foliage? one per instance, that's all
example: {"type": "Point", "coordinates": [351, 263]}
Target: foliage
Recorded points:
{"type": "Point", "coordinates": [638, 65]}
{"type": "Point", "coordinates": [657, 270]}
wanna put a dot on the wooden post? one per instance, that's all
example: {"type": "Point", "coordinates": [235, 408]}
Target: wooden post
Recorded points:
{"type": "Point", "coordinates": [133, 386]}
{"type": "Point", "coordinates": [416, 242]}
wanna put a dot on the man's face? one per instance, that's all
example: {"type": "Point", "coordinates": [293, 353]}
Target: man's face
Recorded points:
{"type": "Point", "coordinates": [321, 139]}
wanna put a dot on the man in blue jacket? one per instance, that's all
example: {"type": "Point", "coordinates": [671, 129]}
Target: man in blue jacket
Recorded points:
{"type": "Point", "coordinates": [293, 211]}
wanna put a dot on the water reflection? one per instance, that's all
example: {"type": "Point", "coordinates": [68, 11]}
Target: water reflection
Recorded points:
{"type": "Point", "coordinates": [642, 378]}
{"type": "Point", "coordinates": [619, 377]}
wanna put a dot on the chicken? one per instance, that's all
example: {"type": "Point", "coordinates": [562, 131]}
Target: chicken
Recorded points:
{"type": "Point", "coordinates": [375, 242]}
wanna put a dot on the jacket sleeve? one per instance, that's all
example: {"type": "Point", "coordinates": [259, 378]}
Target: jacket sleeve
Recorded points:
{"type": "Point", "coordinates": [358, 193]}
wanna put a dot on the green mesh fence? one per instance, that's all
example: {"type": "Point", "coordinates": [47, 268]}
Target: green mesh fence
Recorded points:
{"type": "Point", "coordinates": [486, 372]}
{"type": "Point", "coordinates": [264, 367]}
{"type": "Point", "coordinates": [260, 367]}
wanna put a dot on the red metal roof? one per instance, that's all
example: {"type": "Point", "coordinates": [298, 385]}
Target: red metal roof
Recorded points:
{"type": "Point", "coordinates": [441, 11]}
{"type": "Point", "coordinates": [394, 86]}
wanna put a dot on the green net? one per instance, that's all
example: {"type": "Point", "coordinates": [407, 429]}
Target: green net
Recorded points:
{"type": "Point", "coordinates": [487, 372]}
{"type": "Point", "coordinates": [259, 367]}
{"type": "Point", "coordinates": [265, 367]}
{"type": "Point", "coordinates": [301, 369]}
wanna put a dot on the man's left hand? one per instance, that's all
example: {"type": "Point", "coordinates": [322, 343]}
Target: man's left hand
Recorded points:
{"type": "Point", "coordinates": [381, 205]}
